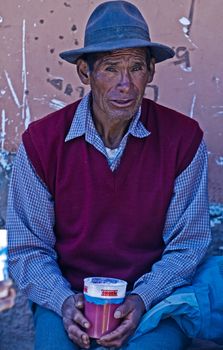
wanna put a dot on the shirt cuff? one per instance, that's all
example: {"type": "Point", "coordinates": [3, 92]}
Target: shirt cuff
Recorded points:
{"type": "Point", "coordinates": [148, 294]}
{"type": "Point", "coordinates": [57, 299]}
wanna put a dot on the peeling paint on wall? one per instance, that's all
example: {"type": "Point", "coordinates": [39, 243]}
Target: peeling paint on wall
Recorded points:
{"type": "Point", "coordinates": [192, 106]}
{"type": "Point", "coordinates": [56, 104]}
{"type": "Point", "coordinates": [187, 23]}
{"type": "Point", "coordinates": [3, 133]}
{"type": "Point", "coordinates": [216, 214]}
{"type": "Point", "coordinates": [219, 161]}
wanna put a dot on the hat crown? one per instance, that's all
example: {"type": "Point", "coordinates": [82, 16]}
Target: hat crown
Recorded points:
{"type": "Point", "coordinates": [114, 20]}
{"type": "Point", "coordinates": [116, 25]}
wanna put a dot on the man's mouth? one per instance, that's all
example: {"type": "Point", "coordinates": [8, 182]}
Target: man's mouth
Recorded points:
{"type": "Point", "coordinates": [122, 102]}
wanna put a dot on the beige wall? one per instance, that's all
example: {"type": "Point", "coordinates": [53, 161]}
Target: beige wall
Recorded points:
{"type": "Point", "coordinates": [34, 81]}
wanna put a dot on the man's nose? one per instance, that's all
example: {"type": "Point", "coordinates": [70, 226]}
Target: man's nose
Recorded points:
{"type": "Point", "coordinates": [124, 82]}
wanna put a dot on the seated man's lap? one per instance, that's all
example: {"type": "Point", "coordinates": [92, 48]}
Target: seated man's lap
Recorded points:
{"type": "Point", "coordinates": [51, 335]}
{"type": "Point", "coordinates": [167, 336]}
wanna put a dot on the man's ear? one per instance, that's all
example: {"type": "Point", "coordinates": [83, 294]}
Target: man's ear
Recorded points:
{"type": "Point", "coordinates": [151, 69]}
{"type": "Point", "coordinates": [83, 71]}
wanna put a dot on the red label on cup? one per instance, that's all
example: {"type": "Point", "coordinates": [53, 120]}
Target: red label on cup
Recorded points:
{"type": "Point", "coordinates": [109, 293]}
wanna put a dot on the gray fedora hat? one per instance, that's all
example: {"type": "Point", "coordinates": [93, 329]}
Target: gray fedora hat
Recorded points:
{"type": "Point", "coordinates": [117, 25]}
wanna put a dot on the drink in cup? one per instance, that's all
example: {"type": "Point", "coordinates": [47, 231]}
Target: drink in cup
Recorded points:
{"type": "Point", "coordinates": [102, 296]}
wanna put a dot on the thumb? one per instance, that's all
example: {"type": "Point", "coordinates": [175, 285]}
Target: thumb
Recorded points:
{"type": "Point", "coordinates": [123, 310]}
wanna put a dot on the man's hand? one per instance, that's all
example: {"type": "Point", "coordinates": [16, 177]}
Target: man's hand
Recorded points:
{"type": "Point", "coordinates": [131, 312]}
{"type": "Point", "coordinates": [74, 320]}
{"type": "Point", "coordinates": [7, 295]}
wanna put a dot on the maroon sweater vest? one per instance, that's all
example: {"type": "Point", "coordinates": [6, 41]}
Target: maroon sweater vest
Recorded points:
{"type": "Point", "coordinates": [111, 223]}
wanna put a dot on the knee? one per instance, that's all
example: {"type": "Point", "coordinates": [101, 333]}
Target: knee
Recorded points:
{"type": "Point", "coordinates": [166, 336]}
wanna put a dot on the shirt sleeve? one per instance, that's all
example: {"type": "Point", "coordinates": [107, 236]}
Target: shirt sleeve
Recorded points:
{"type": "Point", "coordinates": [30, 224]}
{"type": "Point", "coordinates": [186, 234]}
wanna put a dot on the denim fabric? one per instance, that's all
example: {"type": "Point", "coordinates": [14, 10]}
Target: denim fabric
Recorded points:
{"type": "Point", "coordinates": [51, 335]}
{"type": "Point", "coordinates": [166, 336]}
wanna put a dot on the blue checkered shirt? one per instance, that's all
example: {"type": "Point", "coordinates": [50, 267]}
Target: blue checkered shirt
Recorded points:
{"type": "Point", "coordinates": [30, 222]}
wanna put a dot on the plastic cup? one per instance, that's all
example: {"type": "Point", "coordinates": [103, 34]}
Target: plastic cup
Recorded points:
{"type": "Point", "coordinates": [102, 296]}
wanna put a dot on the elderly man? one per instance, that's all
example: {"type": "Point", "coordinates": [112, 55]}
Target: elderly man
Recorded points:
{"type": "Point", "coordinates": [113, 185]}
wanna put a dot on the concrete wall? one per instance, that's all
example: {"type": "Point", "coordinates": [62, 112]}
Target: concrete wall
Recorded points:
{"type": "Point", "coordinates": [34, 82]}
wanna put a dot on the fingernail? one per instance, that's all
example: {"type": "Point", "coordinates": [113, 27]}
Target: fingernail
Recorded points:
{"type": "Point", "coordinates": [117, 314]}
{"type": "Point", "coordinates": [86, 325]}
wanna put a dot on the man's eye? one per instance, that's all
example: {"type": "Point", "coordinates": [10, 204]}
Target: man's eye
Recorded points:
{"type": "Point", "coordinates": [137, 67]}
{"type": "Point", "coordinates": [110, 69]}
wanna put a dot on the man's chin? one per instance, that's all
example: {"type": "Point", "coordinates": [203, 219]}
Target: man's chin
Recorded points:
{"type": "Point", "coordinates": [123, 113]}
{"type": "Point", "coordinates": [121, 116]}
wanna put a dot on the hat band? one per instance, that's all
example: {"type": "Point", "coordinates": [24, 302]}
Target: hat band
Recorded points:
{"type": "Point", "coordinates": [115, 34]}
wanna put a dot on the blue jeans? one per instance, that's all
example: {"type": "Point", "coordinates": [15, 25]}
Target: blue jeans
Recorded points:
{"type": "Point", "coordinates": [51, 335]}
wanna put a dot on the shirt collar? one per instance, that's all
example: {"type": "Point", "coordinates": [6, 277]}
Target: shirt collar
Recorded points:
{"type": "Point", "coordinates": [82, 123]}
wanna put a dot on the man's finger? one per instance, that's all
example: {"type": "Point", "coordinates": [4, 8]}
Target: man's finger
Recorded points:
{"type": "Point", "coordinates": [80, 319]}
{"type": "Point", "coordinates": [12, 294]}
{"type": "Point", "coordinates": [6, 283]}
{"type": "Point", "coordinates": [8, 302]}
{"type": "Point", "coordinates": [118, 333]}
{"type": "Point", "coordinates": [78, 336]}
{"type": "Point", "coordinates": [67, 322]}
{"type": "Point", "coordinates": [4, 288]}
{"type": "Point", "coordinates": [79, 301]}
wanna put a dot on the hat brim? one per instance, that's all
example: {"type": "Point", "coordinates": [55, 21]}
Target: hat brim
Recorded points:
{"type": "Point", "coordinates": [159, 51]}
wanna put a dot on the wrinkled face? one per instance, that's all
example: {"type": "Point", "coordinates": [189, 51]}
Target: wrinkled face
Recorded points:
{"type": "Point", "coordinates": [118, 82]}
